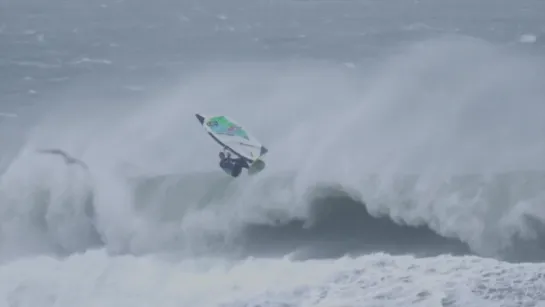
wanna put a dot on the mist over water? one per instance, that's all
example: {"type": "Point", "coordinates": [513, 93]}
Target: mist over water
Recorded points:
{"type": "Point", "coordinates": [395, 149]}
{"type": "Point", "coordinates": [444, 135]}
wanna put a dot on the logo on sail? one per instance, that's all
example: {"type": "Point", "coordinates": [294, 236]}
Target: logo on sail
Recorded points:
{"type": "Point", "coordinates": [221, 125]}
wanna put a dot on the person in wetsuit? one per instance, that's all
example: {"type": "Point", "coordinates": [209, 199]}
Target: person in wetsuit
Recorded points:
{"type": "Point", "coordinates": [232, 166]}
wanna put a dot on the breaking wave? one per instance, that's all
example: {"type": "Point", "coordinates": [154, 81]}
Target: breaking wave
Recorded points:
{"type": "Point", "coordinates": [438, 151]}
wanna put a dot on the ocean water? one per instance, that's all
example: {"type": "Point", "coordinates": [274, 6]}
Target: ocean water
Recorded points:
{"type": "Point", "coordinates": [406, 163]}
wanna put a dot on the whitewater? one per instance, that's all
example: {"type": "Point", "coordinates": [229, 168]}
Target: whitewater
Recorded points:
{"type": "Point", "coordinates": [406, 162]}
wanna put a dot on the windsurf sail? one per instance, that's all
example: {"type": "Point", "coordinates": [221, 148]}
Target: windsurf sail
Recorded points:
{"type": "Point", "coordinates": [232, 136]}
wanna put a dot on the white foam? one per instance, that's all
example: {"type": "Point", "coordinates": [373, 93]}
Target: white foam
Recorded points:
{"type": "Point", "coordinates": [528, 38]}
{"type": "Point", "coordinates": [95, 279]}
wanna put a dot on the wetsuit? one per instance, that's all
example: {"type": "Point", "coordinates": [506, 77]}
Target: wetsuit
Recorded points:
{"type": "Point", "coordinates": [232, 166]}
